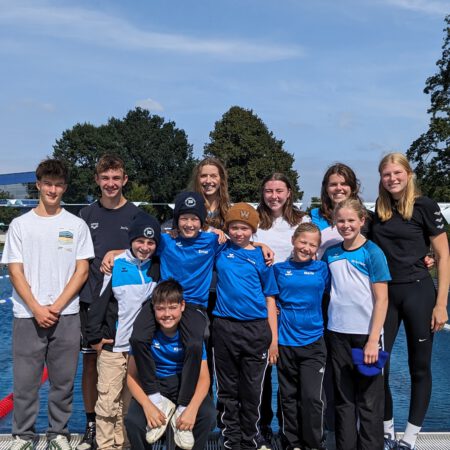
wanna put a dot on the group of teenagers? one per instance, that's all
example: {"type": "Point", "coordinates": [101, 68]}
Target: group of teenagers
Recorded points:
{"type": "Point", "coordinates": [221, 294]}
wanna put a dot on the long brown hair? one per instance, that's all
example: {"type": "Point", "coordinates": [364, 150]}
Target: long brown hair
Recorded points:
{"type": "Point", "coordinates": [385, 203]}
{"type": "Point", "coordinates": [326, 206]}
{"type": "Point", "coordinates": [291, 214]}
{"type": "Point", "coordinates": [224, 199]}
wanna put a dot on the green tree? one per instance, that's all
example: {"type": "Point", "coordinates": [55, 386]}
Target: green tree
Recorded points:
{"type": "Point", "coordinates": [7, 213]}
{"type": "Point", "coordinates": [80, 148]}
{"type": "Point", "coordinates": [431, 151]}
{"type": "Point", "coordinates": [157, 155]}
{"type": "Point", "coordinates": [250, 152]}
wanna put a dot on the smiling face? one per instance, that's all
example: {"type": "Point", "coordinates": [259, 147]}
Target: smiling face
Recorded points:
{"type": "Point", "coordinates": [143, 248]}
{"type": "Point", "coordinates": [394, 179]}
{"type": "Point", "coordinates": [305, 245]}
{"type": "Point", "coordinates": [51, 191]}
{"type": "Point", "coordinates": [111, 183]}
{"type": "Point", "coordinates": [168, 315]}
{"type": "Point", "coordinates": [348, 223]}
{"type": "Point", "coordinates": [338, 188]}
{"type": "Point", "coordinates": [276, 194]}
{"type": "Point", "coordinates": [209, 178]}
{"type": "Point", "coordinates": [189, 225]}
{"type": "Point", "coordinates": [240, 233]}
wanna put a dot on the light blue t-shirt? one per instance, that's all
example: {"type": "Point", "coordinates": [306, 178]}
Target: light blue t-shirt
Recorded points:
{"type": "Point", "coordinates": [352, 275]}
{"type": "Point", "coordinates": [301, 286]}
{"type": "Point", "coordinates": [243, 283]}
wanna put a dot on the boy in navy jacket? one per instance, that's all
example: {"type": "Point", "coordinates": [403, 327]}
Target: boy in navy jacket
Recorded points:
{"type": "Point", "coordinates": [110, 322]}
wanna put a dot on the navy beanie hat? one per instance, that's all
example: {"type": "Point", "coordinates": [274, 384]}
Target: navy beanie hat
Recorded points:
{"type": "Point", "coordinates": [144, 225]}
{"type": "Point", "coordinates": [189, 203]}
{"type": "Point", "coordinates": [369, 370]}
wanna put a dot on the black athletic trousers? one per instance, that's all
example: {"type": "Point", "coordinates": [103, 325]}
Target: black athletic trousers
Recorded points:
{"type": "Point", "coordinates": [240, 355]}
{"type": "Point", "coordinates": [301, 372]}
{"type": "Point", "coordinates": [355, 397]}
{"type": "Point", "coordinates": [413, 304]}
{"type": "Point", "coordinates": [136, 422]}
{"type": "Point", "coordinates": [192, 328]}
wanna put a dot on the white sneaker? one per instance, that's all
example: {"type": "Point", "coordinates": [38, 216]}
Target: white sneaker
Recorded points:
{"type": "Point", "coordinates": [60, 442]}
{"type": "Point", "coordinates": [167, 407]}
{"type": "Point", "coordinates": [21, 444]}
{"type": "Point", "coordinates": [183, 438]}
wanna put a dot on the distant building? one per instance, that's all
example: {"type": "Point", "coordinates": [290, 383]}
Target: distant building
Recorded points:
{"type": "Point", "coordinates": [19, 185]}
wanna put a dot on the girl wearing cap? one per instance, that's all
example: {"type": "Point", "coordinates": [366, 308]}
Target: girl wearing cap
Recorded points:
{"type": "Point", "coordinates": [110, 322]}
{"type": "Point", "coordinates": [357, 310]}
{"type": "Point", "coordinates": [405, 225]}
{"type": "Point", "coordinates": [244, 328]}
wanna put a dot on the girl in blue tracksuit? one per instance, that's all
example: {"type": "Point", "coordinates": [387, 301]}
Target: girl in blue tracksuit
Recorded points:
{"type": "Point", "coordinates": [244, 329]}
{"type": "Point", "coordinates": [302, 352]}
{"type": "Point", "coordinates": [357, 310]}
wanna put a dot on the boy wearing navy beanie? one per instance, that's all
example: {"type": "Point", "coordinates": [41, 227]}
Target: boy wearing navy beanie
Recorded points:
{"type": "Point", "coordinates": [189, 259]}
{"type": "Point", "coordinates": [110, 323]}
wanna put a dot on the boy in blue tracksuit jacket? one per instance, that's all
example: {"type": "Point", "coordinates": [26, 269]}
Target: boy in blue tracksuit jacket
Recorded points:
{"type": "Point", "coordinates": [244, 329]}
{"type": "Point", "coordinates": [110, 322]}
{"type": "Point", "coordinates": [301, 365]}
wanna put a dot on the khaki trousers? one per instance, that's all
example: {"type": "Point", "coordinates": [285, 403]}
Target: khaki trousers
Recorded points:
{"type": "Point", "coordinates": [113, 400]}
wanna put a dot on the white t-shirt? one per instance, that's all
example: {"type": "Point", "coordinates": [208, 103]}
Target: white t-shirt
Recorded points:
{"type": "Point", "coordinates": [48, 248]}
{"type": "Point", "coordinates": [278, 237]}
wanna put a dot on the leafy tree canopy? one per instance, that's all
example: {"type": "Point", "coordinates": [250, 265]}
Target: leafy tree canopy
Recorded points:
{"type": "Point", "coordinates": [7, 213]}
{"type": "Point", "coordinates": [157, 155]}
{"type": "Point", "coordinates": [431, 151]}
{"type": "Point", "coordinates": [250, 152]}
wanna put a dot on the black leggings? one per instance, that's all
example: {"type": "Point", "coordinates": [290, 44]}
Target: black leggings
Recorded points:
{"type": "Point", "coordinates": [413, 304]}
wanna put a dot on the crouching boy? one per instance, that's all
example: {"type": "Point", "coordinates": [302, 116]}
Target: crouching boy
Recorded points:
{"type": "Point", "coordinates": [110, 322]}
{"type": "Point", "coordinates": [149, 416]}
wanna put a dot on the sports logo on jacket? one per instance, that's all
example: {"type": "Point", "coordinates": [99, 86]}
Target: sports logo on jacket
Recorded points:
{"type": "Point", "coordinates": [149, 233]}
{"type": "Point", "coordinates": [190, 202]}
{"type": "Point", "coordinates": [94, 225]}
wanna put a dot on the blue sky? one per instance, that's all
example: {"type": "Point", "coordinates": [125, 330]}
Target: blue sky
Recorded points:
{"type": "Point", "coordinates": [337, 80]}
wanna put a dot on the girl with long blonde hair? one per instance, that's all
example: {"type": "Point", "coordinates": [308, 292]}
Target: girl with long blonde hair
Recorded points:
{"type": "Point", "coordinates": [405, 225]}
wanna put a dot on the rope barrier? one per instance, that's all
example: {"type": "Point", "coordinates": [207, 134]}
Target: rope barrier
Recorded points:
{"type": "Point", "coordinates": [7, 403]}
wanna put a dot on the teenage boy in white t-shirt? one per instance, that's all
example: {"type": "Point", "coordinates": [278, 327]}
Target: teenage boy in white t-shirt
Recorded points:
{"type": "Point", "coordinates": [47, 252]}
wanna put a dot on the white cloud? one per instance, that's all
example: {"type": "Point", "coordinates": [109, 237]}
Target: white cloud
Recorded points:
{"type": "Point", "coordinates": [150, 104]}
{"type": "Point", "coordinates": [32, 104]}
{"type": "Point", "coordinates": [437, 7]}
{"type": "Point", "coordinates": [97, 28]}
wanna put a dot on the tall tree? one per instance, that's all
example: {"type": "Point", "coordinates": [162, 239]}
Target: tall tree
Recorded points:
{"type": "Point", "coordinates": [431, 151]}
{"type": "Point", "coordinates": [250, 152]}
{"type": "Point", "coordinates": [157, 155]}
